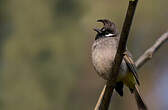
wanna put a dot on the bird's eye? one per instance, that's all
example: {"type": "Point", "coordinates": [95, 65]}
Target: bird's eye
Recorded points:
{"type": "Point", "coordinates": [106, 32]}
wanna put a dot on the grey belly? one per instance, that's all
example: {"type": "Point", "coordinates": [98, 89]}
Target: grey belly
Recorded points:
{"type": "Point", "coordinates": [102, 60]}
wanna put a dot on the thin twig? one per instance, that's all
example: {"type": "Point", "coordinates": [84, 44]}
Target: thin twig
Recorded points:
{"type": "Point", "coordinates": [104, 103]}
{"type": "Point", "coordinates": [148, 54]}
{"type": "Point", "coordinates": [142, 59]}
{"type": "Point", "coordinates": [100, 98]}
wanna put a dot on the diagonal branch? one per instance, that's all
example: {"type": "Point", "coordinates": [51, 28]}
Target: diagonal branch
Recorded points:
{"type": "Point", "coordinates": [142, 59]}
{"type": "Point", "coordinates": [104, 103]}
{"type": "Point", "coordinates": [148, 54]}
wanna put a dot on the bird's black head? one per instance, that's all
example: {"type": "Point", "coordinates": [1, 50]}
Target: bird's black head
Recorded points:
{"type": "Point", "coordinates": [108, 30]}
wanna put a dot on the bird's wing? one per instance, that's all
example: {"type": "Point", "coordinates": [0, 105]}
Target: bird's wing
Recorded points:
{"type": "Point", "coordinates": [129, 61]}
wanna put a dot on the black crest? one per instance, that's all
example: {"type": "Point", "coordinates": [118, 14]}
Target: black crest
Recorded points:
{"type": "Point", "coordinates": [108, 30]}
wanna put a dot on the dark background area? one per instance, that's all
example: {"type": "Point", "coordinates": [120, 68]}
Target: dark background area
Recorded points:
{"type": "Point", "coordinates": [45, 58]}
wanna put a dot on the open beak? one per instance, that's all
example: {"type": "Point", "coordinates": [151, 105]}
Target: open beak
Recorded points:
{"type": "Point", "coordinates": [97, 30]}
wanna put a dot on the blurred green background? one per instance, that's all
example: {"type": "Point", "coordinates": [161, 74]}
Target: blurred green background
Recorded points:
{"type": "Point", "coordinates": [45, 53]}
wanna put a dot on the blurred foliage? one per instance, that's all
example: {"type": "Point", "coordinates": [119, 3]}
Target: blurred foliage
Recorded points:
{"type": "Point", "coordinates": [45, 51]}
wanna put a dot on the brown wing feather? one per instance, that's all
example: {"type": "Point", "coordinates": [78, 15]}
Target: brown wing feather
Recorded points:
{"type": "Point", "coordinates": [129, 61]}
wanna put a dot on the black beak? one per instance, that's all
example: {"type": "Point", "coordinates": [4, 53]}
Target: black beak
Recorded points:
{"type": "Point", "coordinates": [97, 30]}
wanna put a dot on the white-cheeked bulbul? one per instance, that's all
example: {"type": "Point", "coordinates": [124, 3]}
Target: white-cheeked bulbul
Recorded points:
{"type": "Point", "coordinates": [104, 49]}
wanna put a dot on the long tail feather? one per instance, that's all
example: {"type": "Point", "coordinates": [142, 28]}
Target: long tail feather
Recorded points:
{"type": "Point", "coordinates": [140, 103]}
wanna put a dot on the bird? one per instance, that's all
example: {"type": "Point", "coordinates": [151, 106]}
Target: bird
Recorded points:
{"type": "Point", "coordinates": [103, 53]}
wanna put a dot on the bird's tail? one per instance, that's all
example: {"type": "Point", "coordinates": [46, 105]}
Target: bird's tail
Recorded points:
{"type": "Point", "coordinates": [140, 103]}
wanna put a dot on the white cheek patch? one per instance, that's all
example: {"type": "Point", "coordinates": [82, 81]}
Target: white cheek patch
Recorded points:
{"type": "Point", "coordinates": [108, 35]}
